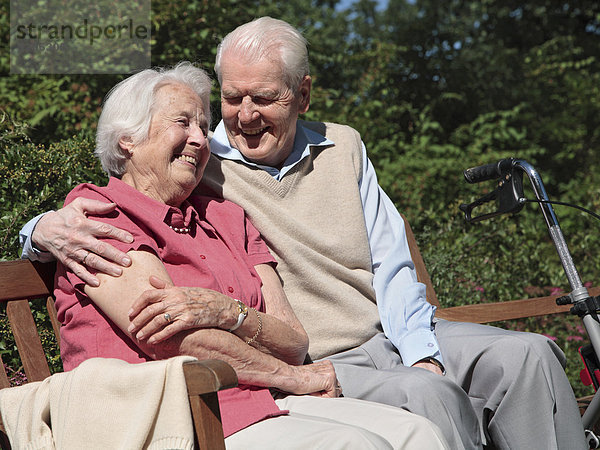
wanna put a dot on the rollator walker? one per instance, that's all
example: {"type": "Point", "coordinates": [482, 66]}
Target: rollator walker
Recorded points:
{"type": "Point", "coordinates": [509, 198]}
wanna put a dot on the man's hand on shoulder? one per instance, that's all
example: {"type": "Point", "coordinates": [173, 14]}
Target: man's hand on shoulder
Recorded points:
{"type": "Point", "coordinates": [72, 238]}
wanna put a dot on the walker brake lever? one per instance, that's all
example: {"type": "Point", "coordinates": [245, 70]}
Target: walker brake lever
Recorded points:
{"type": "Point", "coordinates": [508, 196]}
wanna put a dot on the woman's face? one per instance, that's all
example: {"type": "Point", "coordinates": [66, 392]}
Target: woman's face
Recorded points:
{"type": "Point", "coordinates": [169, 164]}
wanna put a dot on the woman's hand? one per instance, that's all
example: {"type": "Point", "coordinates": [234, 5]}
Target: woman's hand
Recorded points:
{"type": "Point", "coordinates": [160, 313]}
{"type": "Point", "coordinates": [316, 379]}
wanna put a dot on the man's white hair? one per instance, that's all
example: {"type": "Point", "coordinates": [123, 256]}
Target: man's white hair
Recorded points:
{"type": "Point", "coordinates": [268, 38]}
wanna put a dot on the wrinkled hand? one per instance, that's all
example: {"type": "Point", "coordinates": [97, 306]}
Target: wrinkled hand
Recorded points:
{"type": "Point", "coordinates": [71, 237]}
{"type": "Point", "coordinates": [429, 366]}
{"type": "Point", "coordinates": [318, 379]}
{"type": "Point", "coordinates": [187, 308]}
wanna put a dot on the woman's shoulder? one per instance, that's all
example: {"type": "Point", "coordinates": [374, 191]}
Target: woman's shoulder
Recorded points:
{"type": "Point", "coordinates": [116, 191]}
{"type": "Point", "coordinates": [88, 190]}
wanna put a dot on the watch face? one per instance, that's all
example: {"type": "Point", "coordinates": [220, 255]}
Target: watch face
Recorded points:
{"type": "Point", "coordinates": [243, 308]}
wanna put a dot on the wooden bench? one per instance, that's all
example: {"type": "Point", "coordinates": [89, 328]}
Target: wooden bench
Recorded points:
{"type": "Point", "coordinates": [23, 281]}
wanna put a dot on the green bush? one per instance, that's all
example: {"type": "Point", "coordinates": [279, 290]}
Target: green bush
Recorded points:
{"type": "Point", "coordinates": [36, 178]}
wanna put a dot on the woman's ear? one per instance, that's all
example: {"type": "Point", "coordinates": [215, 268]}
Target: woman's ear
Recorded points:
{"type": "Point", "coordinates": [126, 144]}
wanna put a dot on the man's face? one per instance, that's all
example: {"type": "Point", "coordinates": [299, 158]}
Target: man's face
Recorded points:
{"type": "Point", "coordinates": [259, 110]}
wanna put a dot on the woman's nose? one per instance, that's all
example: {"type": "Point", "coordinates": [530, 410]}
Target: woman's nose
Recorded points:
{"type": "Point", "coordinates": [196, 135]}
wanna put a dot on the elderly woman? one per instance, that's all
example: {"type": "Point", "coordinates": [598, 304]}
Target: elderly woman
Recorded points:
{"type": "Point", "coordinates": [218, 294]}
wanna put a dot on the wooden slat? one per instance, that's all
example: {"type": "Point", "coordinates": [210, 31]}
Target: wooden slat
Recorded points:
{"type": "Point", "coordinates": [209, 375]}
{"type": "Point", "coordinates": [24, 279]}
{"type": "Point", "coordinates": [27, 340]}
{"type": "Point", "coordinates": [494, 312]}
{"type": "Point", "coordinates": [51, 308]}
{"type": "Point", "coordinates": [4, 381]}
{"type": "Point", "coordinates": [514, 309]}
{"type": "Point", "coordinates": [207, 421]}
{"type": "Point", "coordinates": [422, 273]}
{"type": "Point", "coordinates": [203, 379]}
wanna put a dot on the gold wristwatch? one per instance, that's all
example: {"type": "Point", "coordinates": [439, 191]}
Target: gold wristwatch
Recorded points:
{"type": "Point", "coordinates": [243, 313]}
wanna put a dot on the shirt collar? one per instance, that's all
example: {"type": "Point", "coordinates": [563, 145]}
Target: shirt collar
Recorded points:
{"type": "Point", "coordinates": [130, 198]}
{"type": "Point", "coordinates": [305, 139]}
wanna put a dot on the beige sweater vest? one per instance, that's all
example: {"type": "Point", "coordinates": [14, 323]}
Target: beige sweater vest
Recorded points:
{"type": "Point", "coordinates": [313, 222]}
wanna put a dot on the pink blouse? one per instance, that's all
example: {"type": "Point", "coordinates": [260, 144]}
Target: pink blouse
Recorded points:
{"type": "Point", "coordinates": [219, 253]}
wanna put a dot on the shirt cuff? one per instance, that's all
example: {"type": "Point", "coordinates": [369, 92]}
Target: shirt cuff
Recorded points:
{"type": "Point", "coordinates": [418, 345]}
{"type": "Point", "coordinates": [30, 251]}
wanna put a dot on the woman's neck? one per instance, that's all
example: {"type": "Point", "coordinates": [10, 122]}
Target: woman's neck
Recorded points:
{"type": "Point", "coordinates": [157, 191]}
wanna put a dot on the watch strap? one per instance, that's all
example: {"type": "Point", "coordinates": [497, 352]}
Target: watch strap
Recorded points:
{"type": "Point", "coordinates": [435, 362]}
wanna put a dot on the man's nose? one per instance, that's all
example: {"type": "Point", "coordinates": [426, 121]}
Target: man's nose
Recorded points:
{"type": "Point", "coordinates": [248, 111]}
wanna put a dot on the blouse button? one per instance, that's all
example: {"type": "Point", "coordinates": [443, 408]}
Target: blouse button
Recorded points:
{"type": "Point", "coordinates": [202, 257]}
{"type": "Point", "coordinates": [230, 289]}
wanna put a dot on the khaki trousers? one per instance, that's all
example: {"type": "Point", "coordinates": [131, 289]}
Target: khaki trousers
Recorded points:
{"type": "Point", "coordinates": [339, 423]}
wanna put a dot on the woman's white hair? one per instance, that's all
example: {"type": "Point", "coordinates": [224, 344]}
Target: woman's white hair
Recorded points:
{"type": "Point", "coordinates": [269, 38]}
{"type": "Point", "coordinates": [128, 109]}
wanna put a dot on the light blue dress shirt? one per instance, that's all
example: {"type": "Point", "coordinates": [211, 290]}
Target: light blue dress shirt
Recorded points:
{"type": "Point", "coordinates": [30, 252]}
{"type": "Point", "coordinates": [405, 314]}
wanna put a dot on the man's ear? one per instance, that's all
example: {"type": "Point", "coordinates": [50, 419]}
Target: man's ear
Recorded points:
{"type": "Point", "coordinates": [126, 144]}
{"type": "Point", "coordinates": [304, 94]}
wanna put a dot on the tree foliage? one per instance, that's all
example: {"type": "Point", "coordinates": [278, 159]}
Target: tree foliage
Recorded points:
{"type": "Point", "coordinates": [433, 87]}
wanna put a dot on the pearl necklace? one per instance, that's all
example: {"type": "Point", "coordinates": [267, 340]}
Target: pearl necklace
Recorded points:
{"type": "Point", "coordinates": [183, 230]}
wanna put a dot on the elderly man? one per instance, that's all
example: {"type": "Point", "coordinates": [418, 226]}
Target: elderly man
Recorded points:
{"type": "Point", "coordinates": [343, 258]}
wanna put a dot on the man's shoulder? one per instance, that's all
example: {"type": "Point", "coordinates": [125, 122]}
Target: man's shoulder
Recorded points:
{"type": "Point", "coordinates": [329, 129]}
{"type": "Point", "coordinates": [203, 200]}
{"type": "Point", "coordinates": [347, 142]}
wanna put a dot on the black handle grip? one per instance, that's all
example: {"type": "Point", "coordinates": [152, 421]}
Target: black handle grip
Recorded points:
{"type": "Point", "coordinates": [488, 171]}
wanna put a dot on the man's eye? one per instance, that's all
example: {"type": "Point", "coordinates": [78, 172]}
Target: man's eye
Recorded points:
{"type": "Point", "coordinates": [233, 100]}
{"type": "Point", "coordinates": [262, 100]}
{"type": "Point", "coordinates": [184, 122]}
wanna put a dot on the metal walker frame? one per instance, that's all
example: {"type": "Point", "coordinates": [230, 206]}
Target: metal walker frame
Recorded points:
{"type": "Point", "coordinates": [509, 199]}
